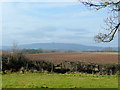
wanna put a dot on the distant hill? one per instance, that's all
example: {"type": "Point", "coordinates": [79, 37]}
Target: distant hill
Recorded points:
{"type": "Point", "coordinates": [55, 46]}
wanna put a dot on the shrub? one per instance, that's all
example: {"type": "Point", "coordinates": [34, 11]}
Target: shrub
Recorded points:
{"type": "Point", "coordinates": [13, 61]}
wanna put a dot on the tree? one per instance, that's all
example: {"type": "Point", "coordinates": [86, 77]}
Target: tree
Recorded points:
{"type": "Point", "coordinates": [15, 48]}
{"type": "Point", "coordinates": [13, 61]}
{"type": "Point", "coordinates": [112, 23]}
{"type": "Point", "coordinates": [108, 49]}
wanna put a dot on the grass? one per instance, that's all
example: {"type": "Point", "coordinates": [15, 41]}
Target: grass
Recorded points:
{"type": "Point", "coordinates": [52, 80]}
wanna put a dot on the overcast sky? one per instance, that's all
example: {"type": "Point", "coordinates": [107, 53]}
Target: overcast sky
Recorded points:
{"type": "Point", "coordinates": [48, 22]}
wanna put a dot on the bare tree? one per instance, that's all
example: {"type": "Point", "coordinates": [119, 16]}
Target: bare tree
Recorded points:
{"type": "Point", "coordinates": [112, 23]}
{"type": "Point", "coordinates": [15, 48]}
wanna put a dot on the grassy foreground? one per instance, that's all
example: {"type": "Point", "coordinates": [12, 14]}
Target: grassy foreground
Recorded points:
{"type": "Point", "coordinates": [43, 80]}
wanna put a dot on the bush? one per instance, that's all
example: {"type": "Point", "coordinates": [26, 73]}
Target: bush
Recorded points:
{"type": "Point", "coordinates": [13, 61]}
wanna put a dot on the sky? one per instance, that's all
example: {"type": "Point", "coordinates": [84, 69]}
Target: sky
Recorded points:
{"type": "Point", "coordinates": [51, 22]}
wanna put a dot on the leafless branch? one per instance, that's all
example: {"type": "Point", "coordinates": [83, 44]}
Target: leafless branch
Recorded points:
{"type": "Point", "coordinates": [112, 23]}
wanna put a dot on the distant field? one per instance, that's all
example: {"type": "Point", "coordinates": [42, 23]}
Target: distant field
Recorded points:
{"type": "Point", "coordinates": [56, 58]}
{"type": "Point", "coordinates": [44, 80]}
{"type": "Point", "coordinates": [108, 52]}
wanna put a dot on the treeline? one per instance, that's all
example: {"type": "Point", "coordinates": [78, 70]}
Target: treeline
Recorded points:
{"type": "Point", "coordinates": [35, 51]}
{"type": "Point", "coordinates": [106, 49]}
{"type": "Point", "coordinates": [99, 51]}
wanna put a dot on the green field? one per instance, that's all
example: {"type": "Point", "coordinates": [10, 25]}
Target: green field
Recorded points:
{"type": "Point", "coordinates": [52, 80]}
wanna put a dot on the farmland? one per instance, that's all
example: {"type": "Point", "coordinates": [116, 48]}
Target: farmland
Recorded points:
{"type": "Point", "coordinates": [56, 58]}
{"type": "Point", "coordinates": [53, 80]}
{"type": "Point", "coordinates": [71, 79]}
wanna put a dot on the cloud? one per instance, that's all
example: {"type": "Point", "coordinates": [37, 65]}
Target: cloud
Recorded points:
{"type": "Point", "coordinates": [39, 1]}
{"type": "Point", "coordinates": [42, 9]}
{"type": "Point", "coordinates": [54, 0]}
{"type": "Point", "coordinates": [42, 5]}
{"type": "Point", "coordinates": [78, 30]}
{"type": "Point", "coordinates": [54, 10]}
{"type": "Point", "coordinates": [49, 22]}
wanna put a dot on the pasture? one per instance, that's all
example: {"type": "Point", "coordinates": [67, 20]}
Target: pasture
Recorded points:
{"type": "Point", "coordinates": [54, 80]}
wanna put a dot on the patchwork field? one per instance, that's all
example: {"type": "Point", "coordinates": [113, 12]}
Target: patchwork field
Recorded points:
{"type": "Point", "coordinates": [56, 58]}
{"type": "Point", "coordinates": [52, 80]}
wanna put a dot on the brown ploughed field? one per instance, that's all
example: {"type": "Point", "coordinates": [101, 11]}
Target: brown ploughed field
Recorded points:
{"type": "Point", "coordinates": [57, 58]}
